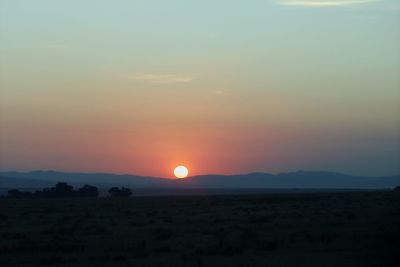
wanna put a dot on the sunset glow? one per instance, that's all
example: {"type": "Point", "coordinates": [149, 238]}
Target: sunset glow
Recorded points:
{"type": "Point", "coordinates": [181, 172]}
{"type": "Point", "coordinates": [140, 87]}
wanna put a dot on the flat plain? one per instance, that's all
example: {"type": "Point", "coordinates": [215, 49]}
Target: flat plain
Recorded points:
{"type": "Point", "coordinates": [307, 229]}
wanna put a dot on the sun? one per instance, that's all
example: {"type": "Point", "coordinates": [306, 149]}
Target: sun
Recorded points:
{"type": "Point", "coordinates": [181, 172]}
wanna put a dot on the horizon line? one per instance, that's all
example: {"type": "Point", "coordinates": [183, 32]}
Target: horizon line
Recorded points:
{"type": "Point", "coordinates": [198, 175]}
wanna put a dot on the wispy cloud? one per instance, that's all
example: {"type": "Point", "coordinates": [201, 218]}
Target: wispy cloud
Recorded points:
{"type": "Point", "coordinates": [163, 78]}
{"type": "Point", "coordinates": [219, 92]}
{"type": "Point", "coordinates": [323, 3]}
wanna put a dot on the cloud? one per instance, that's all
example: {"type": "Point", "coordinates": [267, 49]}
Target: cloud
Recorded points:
{"type": "Point", "coordinates": [163, 78]}
{"type": "Point", "coordinates": [323, 3]}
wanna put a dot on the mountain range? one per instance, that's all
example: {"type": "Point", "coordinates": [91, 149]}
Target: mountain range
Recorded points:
{"type": "Point", "coordinates": [289, 180]}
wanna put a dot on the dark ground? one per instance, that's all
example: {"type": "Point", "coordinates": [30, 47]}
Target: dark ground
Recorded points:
{"type": "Point", "coordinates": [315, 229]}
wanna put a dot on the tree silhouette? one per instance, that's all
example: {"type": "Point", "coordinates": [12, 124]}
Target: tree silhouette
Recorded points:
{"type": "Point", "coordinates": [59, 191]}
{"type": "Point", "coordinates": [15, 193]}
{"type": "Point", "coordinates": [63, 190]}
{"type": "Point", "coordinates": [88, 191]}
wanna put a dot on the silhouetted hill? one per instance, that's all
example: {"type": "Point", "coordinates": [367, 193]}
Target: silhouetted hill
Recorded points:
{"type": "Point", "coordinates": [98, 179]}
{"type": "Point", "coordinates": [18, 182]}
{"type": "Point", "coordinates": [299, 179]}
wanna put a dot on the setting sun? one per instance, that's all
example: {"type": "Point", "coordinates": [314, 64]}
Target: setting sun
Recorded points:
{"type": "Point", "coordinates": [181, 172]}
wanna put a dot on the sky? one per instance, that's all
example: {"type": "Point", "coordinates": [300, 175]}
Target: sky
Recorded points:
{"type": "Point", "coordinates": [223, 86]}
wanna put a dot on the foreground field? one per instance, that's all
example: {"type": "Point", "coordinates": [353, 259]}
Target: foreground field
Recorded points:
{"type": "Point", "coordinates": [316, 229]}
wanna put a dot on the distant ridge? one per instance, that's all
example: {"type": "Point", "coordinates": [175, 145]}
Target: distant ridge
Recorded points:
{"type": "Point", "coordinates": [289, 180]}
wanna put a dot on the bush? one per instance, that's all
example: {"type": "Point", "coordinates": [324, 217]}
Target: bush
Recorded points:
{"type": "Point", "coordinates": [88, 191]}
{"type": "Point", "coordinates": [61, 190]}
